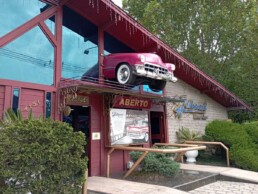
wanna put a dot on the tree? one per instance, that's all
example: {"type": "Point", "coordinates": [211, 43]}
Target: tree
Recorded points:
{"type": "Point", "coordinates": [41, 156]}
{"type": "Point", "coordinates": [218, 36]}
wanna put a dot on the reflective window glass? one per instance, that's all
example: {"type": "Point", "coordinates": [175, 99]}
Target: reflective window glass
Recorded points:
{"type": "Point", "coordinates": [16, 96]}
{"type": "Point", "coordinates": [48, 105]}
{"type": "Point", "coordinates": [16, 12]}
{"type": "Point", "coordinates": [80, 49]}
{"type": "Point", "coordinates": [51, 24]}
{"type": "Point", "coordinates": [112, 45]}
{"type": "Point", "coordinates": [29, 58]}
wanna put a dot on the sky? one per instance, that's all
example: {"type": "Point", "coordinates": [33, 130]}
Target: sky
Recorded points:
{"type": "Point", "coordinates": [118, 2]}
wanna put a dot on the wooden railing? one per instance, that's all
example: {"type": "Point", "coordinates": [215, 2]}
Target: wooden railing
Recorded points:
{"type": "Point", "coordinates": [212, 143]}
{"type": "Point", "coordinates": [182, 149]}
{"type": "Point", "coordinates": [84, 186]}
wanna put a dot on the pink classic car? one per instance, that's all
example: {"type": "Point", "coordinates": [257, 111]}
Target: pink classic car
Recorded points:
{"type": "Point", "coordinates": [138, 68]}
{"type": "Point", "coordinates": [138, 130]}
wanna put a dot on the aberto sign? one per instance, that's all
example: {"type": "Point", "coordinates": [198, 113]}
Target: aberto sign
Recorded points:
{"type": "Point", "coordinates": [131, 102]}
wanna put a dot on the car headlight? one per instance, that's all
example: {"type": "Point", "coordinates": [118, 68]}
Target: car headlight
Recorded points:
{"type": "Point", "coordinates": [139, 67]}
{"type": "Point", "coordinates": [142, 58]}
{"type": "Point", "coordinates": [172, 67]}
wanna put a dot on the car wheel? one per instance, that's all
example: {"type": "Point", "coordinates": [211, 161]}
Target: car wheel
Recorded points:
{"type": "Point", "coordinates": [125, 74]}
{"type": "Point", "coordinates": [146, 137]}
{"type": "Point", "coordinates": [157, 85]}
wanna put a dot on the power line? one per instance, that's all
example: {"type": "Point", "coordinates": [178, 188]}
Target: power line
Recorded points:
{"type": "Point", "coordinates": [40, 62]}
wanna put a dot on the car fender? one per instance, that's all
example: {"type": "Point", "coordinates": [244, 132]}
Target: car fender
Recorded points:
{"type": "Point", "coordinates": [111, 64]}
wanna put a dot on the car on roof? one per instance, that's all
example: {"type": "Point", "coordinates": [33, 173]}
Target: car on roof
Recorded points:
{"type": "Point", "coordinates": [132, 69]}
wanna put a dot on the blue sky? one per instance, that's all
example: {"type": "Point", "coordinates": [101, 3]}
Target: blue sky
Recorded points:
{"type": "Point", "coordinates": [118, 2]}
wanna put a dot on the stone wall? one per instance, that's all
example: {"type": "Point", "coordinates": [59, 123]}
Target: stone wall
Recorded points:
{"type": "Point", "coordinates": [214, 110]}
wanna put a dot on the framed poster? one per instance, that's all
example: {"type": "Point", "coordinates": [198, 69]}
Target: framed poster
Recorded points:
{"type": "Point", "coordinates": [128, 126]}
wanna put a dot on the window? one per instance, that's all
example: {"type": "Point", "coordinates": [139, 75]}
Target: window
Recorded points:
{"type": "Point", "coordinates": [80, 49]}
{"type": "Point", "coordinates": [15, 13]}
{"type": "Point", "coordinates": [48, 105]}
{"type": "Point", "coordinates": [112, 45]}
{"type": "Point", "coordinates": [29, 58]}
{"type": "Point", "coordinates": [15, 102]}
{"type": "Point", "coordinates": [51, 24]}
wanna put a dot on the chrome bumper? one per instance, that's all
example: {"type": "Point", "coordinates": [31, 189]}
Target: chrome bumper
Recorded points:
{"type": "Point", "coordinates": [154, 72]}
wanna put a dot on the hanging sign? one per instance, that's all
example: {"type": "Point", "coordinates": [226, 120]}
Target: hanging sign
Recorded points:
{"type": "Point", "coordinates": [77, 100]}
{"type": "Point", "coordinates": [131, 102]}
{"type": "Point", "coordinates": [64, 94]}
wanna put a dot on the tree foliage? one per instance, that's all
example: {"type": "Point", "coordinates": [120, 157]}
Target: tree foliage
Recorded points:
{"type": "Point", "coordinates": [218, 36]}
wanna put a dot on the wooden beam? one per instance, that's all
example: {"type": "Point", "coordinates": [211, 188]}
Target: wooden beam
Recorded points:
{"type": "Point", "coordinates": [84, 187]}
{"type": "Point", "coordinates": [48, 33]}
{"type": "Point", "coordinates": [108, 161]}
{"type": "Point", "coordinates": [147, 150]}
{"type": "Point", "coordinates": [136, 164]}
{"type": "Point", "coordinates": [27, 26]}
{"type": "Point", "coordinates": [156, 150]}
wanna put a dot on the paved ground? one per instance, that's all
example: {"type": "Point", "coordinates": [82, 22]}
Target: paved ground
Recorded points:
{"type": "Point", "coordinates": [225, 171]}
{"type": "Point", "coordinates": [110, 186]}
{"type": "Point", "coordinates": [115, 186]}
{"type": "Point", "coordinates": [227, 187]}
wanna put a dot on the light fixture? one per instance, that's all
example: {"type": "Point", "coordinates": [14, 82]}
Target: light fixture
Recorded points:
{"type": "Point", "coordinates": [86, 51]}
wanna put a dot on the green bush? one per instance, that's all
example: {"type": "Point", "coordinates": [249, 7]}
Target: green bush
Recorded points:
{"type": "Point", "coordinates": [41, 156]}
{"type": "Point", "coordinates": [156, 163]}
{"type": "Point", "coordinates": [245, 157]}
{"type": "Point", "coordinates": [227, 132]}
{"type": "Point", "coordinates": [252, 131]}
{"type": "Point", "coordinates": [240, 138]}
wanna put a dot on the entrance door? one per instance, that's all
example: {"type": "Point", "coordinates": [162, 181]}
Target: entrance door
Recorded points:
{"type": "Point", "coordinates": [157, 127]}
{"type": "Point", "coordinates": [79, 119]}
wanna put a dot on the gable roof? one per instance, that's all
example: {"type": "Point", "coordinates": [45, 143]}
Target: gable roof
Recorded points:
{"type": "Point", "coordinates": [116, 22]}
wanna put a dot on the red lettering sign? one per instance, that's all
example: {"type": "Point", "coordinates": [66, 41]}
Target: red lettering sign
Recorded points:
{"type": "Point", "coordinates": [131, 102]}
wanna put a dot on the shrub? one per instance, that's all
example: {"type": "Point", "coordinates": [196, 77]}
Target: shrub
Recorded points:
{"type": "Point", "coordinates": [227, 132]}
{"type": "Point", "coordinates": [252, 131]}
{"type": "Point", "coordinates": [245, 157]}
{"type": "Point", "coordinates": [240, 138]}
{"type": "Point", "coordinates": [41, 156]}
{"type": "Point", "coordinates": [156, 163]}
{"type": "Point", "coordinates": [185, 134]}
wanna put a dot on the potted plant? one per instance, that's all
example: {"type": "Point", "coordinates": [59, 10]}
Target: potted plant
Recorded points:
{"type": "Point", "coordinates": [185, 134]}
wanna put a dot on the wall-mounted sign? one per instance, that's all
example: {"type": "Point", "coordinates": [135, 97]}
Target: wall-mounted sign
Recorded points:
{"type": "Point", "coordinates": [128, 126]}
{"type": "Point", "coordinates": [189, 106]}
{"type": "Point", "coordinates": [96, 136]}
{"type": "Point", "coordinates": [131, 102]}
{"type": "Point", "coordinates": [197, 116]}
{"type": "Point", "coordinates": [33, 104]}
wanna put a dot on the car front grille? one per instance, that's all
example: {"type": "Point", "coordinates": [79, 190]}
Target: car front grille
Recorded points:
{"type": "Point", "coordinates": [152, 68]}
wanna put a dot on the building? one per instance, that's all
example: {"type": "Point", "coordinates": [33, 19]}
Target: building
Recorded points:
{"type": "Point", "coordinates": [47, 46]}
